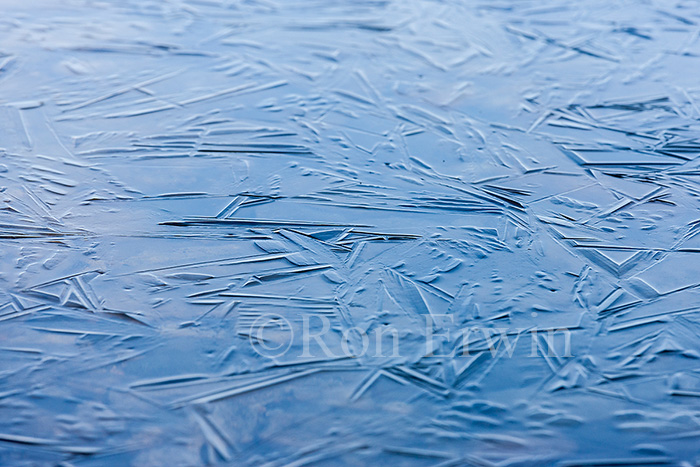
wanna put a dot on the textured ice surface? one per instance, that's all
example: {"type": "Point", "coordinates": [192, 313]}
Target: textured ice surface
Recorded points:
{"type": "Point", "coordinates": [174, 172]}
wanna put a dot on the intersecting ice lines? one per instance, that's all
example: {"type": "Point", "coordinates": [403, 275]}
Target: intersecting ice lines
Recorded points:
{"type": "Point", "coordinates": [136, 93]}
{"type": "Point", "coordinates": [618, 261]}
{"type": "Point", "coordinates": [75, 292]}
{"type": "Point", "coordinates": [602, 225]}
{"type": "Point", "coordinates": [19, 306]}
{"type": "Point", "coordinates": [637, 371]}
{"type": "Point", "coordinates": [200, 283]}
{"type": "Point", "coordinates": [648, 354]}
{"type": "Point", "coordinates": [643, 266]}
{"type": "Point", "coordinates": [409, 300]}
{"type": "Point", "coordinates": [313, 257]}
{"type": "Point", "coordinates": [236, 291]}
{"type": "Point", "coordinates": [644, 135]}
{"type": "Point", "coordinates": [71, 291]}
{"type": "Point", "coordinates": [614, 267]}
{"type": "Point", "coordinates": [30, 211]}
{"type": "Point", "coordinates": [243, 200]}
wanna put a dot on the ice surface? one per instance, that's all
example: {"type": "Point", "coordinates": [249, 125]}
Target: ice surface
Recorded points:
{"type": "Point", "coordinates": [189, 187]}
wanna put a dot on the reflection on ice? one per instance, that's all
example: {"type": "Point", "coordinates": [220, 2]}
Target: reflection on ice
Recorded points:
{"type": "Point", "coordinates": [349, 232]}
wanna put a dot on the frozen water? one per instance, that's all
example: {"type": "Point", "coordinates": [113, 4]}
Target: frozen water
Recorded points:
{"type": "Point", "coordinates": [349, 232]}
